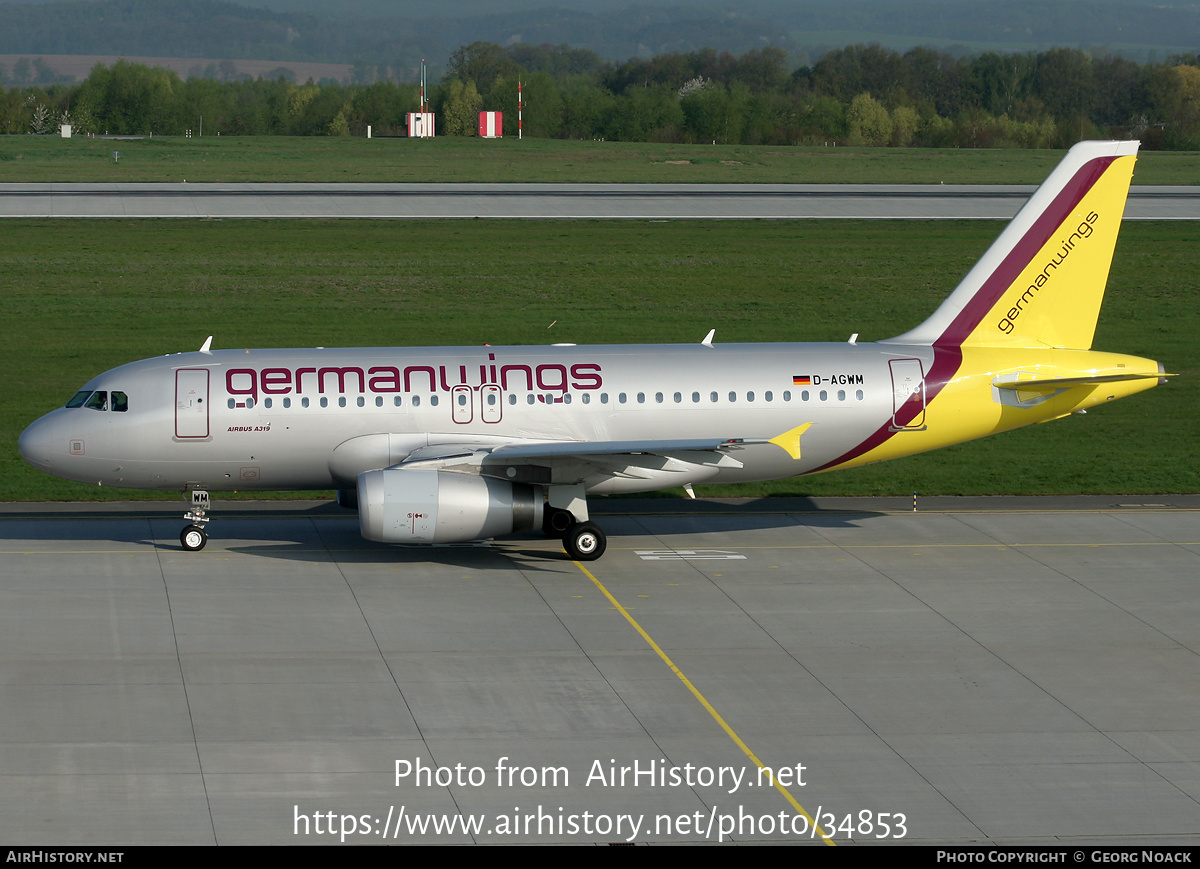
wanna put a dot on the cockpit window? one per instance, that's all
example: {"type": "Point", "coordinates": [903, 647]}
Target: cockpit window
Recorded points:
{"type": "Point", "coordinates": [99, 400]}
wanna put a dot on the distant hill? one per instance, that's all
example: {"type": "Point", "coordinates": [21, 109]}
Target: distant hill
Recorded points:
{"type": "Point", "coordinates": [75, 67]}
{"type": "Point", "coordinates": [398, 33]}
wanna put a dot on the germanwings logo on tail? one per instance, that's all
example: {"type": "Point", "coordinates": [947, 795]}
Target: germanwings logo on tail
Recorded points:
{"type": "Point", "coordinates": [1084, 230]}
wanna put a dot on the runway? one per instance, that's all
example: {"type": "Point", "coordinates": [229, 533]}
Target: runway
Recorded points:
{"type": "Point", "coordinates": [1008, 671]}
{"type": "Point", "coordinates": [567, 201]}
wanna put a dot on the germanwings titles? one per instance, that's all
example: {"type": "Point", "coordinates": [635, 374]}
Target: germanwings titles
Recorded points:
{"type": "Point", "coordinates": [439, 445]}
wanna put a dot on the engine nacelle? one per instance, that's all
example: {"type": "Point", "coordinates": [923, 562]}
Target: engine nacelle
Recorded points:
{"type": "Point", "coordinates": [424, 506]}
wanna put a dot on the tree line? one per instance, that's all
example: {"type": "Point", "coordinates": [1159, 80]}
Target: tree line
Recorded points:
{"type": "Point", "coordinates": [858, 95]}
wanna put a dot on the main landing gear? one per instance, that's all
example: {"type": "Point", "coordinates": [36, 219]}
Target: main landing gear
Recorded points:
{"type": "Point", "coordinates": [193, 537]}
{"type": "Point", "coordinates": [584, 541]}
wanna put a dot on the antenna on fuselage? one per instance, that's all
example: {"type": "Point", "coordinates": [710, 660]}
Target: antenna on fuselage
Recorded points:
{"type": "Point", "coordinates": [708, 339]}
{"type": "Point", "coordinates": [207, 344]}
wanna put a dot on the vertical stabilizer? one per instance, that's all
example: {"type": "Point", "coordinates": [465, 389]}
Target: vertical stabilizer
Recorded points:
{"type": "Point", "coordinates": [1042, 281]}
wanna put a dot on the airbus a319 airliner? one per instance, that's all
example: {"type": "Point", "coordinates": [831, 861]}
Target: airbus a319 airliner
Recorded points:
{"type": "Point", "coordinates": [440, 445]}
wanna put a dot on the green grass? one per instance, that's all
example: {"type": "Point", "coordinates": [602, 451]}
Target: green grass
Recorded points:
{"type": "Point", "coordinates": [78, 297]}
{"type": "Point", "coordinates": [450, 159]}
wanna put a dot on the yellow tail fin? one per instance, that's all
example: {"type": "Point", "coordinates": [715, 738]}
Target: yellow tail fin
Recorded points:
{"type": "Point", "coordinates": [1042, 281]}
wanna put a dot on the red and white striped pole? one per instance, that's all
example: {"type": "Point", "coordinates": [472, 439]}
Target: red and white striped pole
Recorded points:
{"type": "Point", "coordinates": [520, 105]}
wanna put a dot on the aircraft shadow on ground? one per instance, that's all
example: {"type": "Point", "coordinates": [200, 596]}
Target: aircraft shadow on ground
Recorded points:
{"type": "Point", "coordinates": [647, 527]}
{"type": "Point", "coordinates": [331, 532]}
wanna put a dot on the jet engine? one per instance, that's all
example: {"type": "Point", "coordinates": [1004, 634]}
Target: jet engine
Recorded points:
{"type": "Point", "coordinates": [427, 506]}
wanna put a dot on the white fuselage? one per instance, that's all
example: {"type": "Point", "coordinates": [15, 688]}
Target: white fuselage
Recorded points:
{"type": "Point", "coordinates": [304, 419]}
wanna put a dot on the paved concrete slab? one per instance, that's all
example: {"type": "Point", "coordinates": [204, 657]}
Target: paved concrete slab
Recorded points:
{"type": "Point", "coordinates": [993, 670]}
{"type": "Point", "coordinates": [602, 201]}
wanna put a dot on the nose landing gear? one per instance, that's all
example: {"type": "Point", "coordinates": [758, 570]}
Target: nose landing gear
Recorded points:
{"type": "Point", "coordinates": [193, 537]}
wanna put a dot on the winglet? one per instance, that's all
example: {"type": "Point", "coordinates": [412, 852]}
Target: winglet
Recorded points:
{"type": "Point", "coordinates": [789, 441]}
{"type": "Point", "coordinates": [207, 345]}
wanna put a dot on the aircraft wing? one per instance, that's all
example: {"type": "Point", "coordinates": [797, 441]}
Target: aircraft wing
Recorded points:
{"type": "Point", "coordinates": [573, 462]}
{"type": "Point", "coordinates": [619, 448]}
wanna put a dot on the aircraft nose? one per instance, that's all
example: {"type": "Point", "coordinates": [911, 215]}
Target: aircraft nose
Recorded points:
{"type": "Point", "coordinates": [38, 444]}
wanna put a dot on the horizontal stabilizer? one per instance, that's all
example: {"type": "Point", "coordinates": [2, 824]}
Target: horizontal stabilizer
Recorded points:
{"type": "Point", "coordinates": [1085, 380]}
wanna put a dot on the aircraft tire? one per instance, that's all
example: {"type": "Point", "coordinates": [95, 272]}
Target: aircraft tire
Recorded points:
{"type": "Point", "coordinates": [585, 542]}
{"type": "Point", "coordinates": [193, 538]}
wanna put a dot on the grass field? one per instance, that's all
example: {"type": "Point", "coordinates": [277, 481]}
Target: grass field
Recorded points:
{"type": "Point", "coordinates": [279, 159]}
{"type": "Point", "coordinates": [83, 296]}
